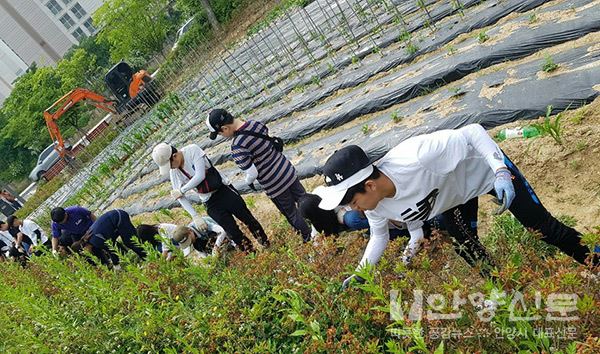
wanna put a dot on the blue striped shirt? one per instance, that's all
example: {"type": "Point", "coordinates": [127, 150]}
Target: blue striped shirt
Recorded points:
{"type": "Point", "coordinates": [275, 171]}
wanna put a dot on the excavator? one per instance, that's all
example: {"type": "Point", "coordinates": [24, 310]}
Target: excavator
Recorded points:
{"type": "Point", "coordinates": [66, 102]}
{"type": "Point", "coordinates": [130, 90]}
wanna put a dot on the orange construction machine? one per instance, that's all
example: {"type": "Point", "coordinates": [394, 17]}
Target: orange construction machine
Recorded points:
{"type": "Point", "coordinates": [60, 107]}
{"type": "Point", "coordinates": [131, 89]}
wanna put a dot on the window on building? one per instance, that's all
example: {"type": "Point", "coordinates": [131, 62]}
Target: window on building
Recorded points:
{"type": "Point", "coordinates": [54, 7]}
{"type": "Point", "coordinates": [66, 2]}
{"type": "Point", "coordinates": [79, 34]}
{"type": "Point", "coordinates": [67, 21]}
{"type": "Point", "coordinates": [78, 11]}
{"type": "Point", "coordinates": [90, 26]}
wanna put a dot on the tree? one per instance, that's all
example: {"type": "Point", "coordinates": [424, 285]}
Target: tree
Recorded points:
{"type": "Point", "coordinates": [133, 27]}
{"type": "Point", "coordinates": [211, 15]}
{"type": "Point", "coordinates": [219, 10]}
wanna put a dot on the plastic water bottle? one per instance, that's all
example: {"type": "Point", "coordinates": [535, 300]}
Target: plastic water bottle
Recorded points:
{"type": "Point", "coordinates": [518, 132]}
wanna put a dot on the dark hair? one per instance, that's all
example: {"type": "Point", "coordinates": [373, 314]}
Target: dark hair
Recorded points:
{"type": "Point", "coordinates": [173, 149]}
{"type": "Point", "coordinates": [359, 187]}
{"type": "Point", "coordinates": [324, 221]}
{"type": "Point", "coordinates": [147, 233]}
{"type": "Point", "coordinates": [58, 214]}
{"type": "Point", "coordinates": [11, 220]}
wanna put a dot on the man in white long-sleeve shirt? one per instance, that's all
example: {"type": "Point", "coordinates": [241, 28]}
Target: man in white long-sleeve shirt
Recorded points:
{"type": "Point", "coordinates": [440, 173]}
{"type": "Point", "coordinates": [191, 170]}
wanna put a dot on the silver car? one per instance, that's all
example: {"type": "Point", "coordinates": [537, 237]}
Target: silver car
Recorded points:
{"type": "Point", "coordinates": [45, 161]}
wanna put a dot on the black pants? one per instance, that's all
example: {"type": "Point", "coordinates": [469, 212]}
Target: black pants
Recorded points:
{"type": "Point", "coordinates": [461, 223]}
{"type": "Point", "coordinates": [226, 203]}
{"type": "Point", "coordinates": [287, 201]}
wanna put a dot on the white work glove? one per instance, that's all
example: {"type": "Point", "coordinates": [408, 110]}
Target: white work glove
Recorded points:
{"type": "Point", "coordinates": [55, 253]}
{"type": "Point", "coordinates": [176, 194]}
{"type": "Point", "coordinates": [200, 224]}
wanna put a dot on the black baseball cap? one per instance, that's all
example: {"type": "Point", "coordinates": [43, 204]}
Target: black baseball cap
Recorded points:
{"type": "Point", "coordinates": [216, 119]}
{"type": "Point", "coordinates": [345, 168]}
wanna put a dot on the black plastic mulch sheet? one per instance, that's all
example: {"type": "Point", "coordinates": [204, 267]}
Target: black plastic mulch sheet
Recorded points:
{"type": "Point", "coordinates": [516, 92]}
{"type": "Point", "coordinates": [515, 39]}
{"type": "Point", "coordinates": [448, 28]}
{"type": "Point", "coordinates": [509, 93]}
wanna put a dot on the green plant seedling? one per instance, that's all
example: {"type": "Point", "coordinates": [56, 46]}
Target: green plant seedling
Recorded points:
{"type": "Point", "coordinates": [552, 127]}
{"type": "Point", "coordinates": [482, 37]}
{"type": "Point", "coordinates": [549, 64]}
{"type": "Point", "coordinates": [365, 129]}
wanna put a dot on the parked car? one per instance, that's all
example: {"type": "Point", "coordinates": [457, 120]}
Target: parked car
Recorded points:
{"type": "Point", "coordinates": [45, 161]}
{"type": "Point", "coordinates": [181, 31]}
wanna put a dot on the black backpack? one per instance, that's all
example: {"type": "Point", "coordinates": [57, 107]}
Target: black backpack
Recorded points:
{"type": "Point", "coordinates": [277, 142]}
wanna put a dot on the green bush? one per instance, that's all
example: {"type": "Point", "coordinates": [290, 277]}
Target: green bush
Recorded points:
{"type": "Point", "coordinates": [286, 299]}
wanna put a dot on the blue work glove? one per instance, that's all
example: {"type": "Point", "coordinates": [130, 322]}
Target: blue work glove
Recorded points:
{"type": "Point", "coordinates": [505, 190]}
{"type": "Point", "coordinates": [350, 279]}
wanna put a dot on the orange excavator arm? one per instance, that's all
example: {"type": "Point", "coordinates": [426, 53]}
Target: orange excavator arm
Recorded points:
{"type": "Point", "coordinates": [62, 105]}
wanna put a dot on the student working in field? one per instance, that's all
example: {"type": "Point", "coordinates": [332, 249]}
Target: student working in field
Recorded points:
{"type": "Point", "coordinates": [105, 230]}
{"type": "Point", "coordinates": [69, 225]}
{"type": "Point", "coordinates": [190, 170]}
{"type": "Point", "coordinates": [344, 218]}
{"type": "Point", "coordinates": [30, 235]}
{"type": "Point", "coordinates": [261, 158]}
{"type": "Point", "coordinates": [442, 173]}
{"type": "Point", "coordinates": [210, 240]}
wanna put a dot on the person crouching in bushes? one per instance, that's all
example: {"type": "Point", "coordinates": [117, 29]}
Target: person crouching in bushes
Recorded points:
{"type": "Point", "coordinates": [215, 236]}
{"type": "Point", "coordinates": [344, 218]}
{"type": "Point", "coordinates": [108, 227]}
{"type": "Point", "coordinates": [196, 245]}
{"type": "Point", "coordinates": [30, 235]}
{"type": "Point", "coordinates": [72, 222]}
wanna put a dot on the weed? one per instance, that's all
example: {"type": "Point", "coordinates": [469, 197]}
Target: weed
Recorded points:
{"type": "Point", "coordinates": [355, 60]}
{"type": "Point", "coordinates": [532, 18]}
{"type": "Point", "coordinates": [549, 64]}
{"type": "Point", "coordinates": [411, 49]}
{"type": "Point", "coordinates": [578, 116]}
{"type": "Point", "coordinates": [404, 36]}
{"type": "Point", "coordinates": [396, 118]}
{"type": "Point", "coordinates": [551, 127]}
{"type": "Point", "coordinates": [482, 37]}
{"type": "Point", "coordinates": [455, 90]}
{"type": "Point", "coordinates": [451, 49]}
{"type": "Point", "coordinates": [316, 80]}
{"type": "Point", "coordinates": [581, 145]}
{"type": "Point", "coordinates": [365, 129]}
{"type": "Point", "coordinates": [575, 165]}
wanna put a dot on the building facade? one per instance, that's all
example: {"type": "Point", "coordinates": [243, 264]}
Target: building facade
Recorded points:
{"type": "Point", "coordinates": [11, 67]}
{"type": "Point", "coordinates": [42, 31]}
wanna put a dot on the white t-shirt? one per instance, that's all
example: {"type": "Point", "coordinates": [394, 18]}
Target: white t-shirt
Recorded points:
{"type": "Point", "coordinates": [195, 164]}
{"type": "Point", "coordinates": [29, 227]}
{"type": "Point", "coordinates": [432, 173]}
